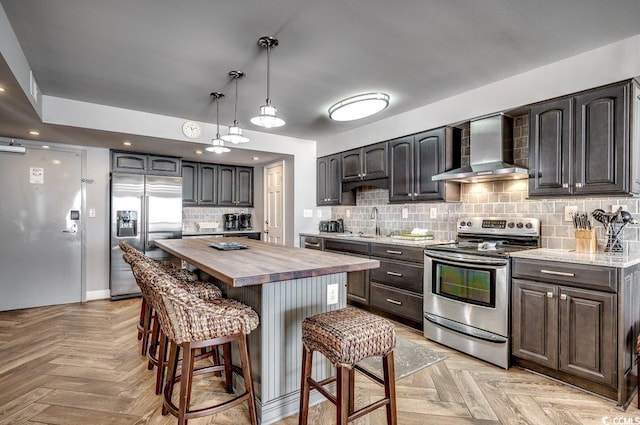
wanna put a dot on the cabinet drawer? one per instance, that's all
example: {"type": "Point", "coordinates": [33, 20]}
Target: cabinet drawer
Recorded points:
{"type": "Point", "coordinates": [398, 252]}
{"type": "Point", "coordinates": [404, 276]}
{"type": "Point", "coordinates": [353, 247]}
{"type": "Point", "coordinates": [582, 275]}
{"type": "Point", "coordinates": [311, 242]}
{"type": "Point", "coordinates": [396, 301]}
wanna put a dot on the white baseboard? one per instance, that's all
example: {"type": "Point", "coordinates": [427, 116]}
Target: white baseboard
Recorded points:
{"type": "Point", "coordinates": [98, 295]}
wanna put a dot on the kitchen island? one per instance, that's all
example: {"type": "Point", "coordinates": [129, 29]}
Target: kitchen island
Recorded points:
{"type": "Point", "coordinates": [283, 285]}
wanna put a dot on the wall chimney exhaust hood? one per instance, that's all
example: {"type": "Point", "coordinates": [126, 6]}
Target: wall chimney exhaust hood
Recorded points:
{"type": "Point", "coordinates": [491, 156]}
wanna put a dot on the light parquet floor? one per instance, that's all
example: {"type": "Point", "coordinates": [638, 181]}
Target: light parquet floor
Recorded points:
{"type": "Point", "coordinates": [79, 364]}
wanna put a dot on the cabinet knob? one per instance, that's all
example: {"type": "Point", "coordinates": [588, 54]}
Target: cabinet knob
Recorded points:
{"type": "Point", "coordinates": [415, 194]}
{"type": "Point", "coordinates": [578, 185]}
{"type": "Point", "coordinates": [549, 294]}
{"type": "Point", "coordinates": [565, 185]}
{"type": "Point", "coordinates": [563, 296]}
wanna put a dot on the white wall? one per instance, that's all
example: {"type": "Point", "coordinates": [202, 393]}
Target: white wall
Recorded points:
{"type": "Point", "coordinates": [614, 62]}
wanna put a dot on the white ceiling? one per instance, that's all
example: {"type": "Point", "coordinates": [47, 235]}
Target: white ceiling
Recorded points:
{"type": "Point", "coordinates": [165, 57]}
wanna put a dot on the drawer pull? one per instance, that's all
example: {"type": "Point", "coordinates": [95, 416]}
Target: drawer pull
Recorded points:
{"type": "Point", "coordinates": [317, 245]}
{"type": "Point", "coordinates": [392, 301]}
{"type": "Point", "coordinates": [394, 274]}
{"type": "Point", "coordinates": [549, 294]}
{"type": "Point", "coordinates": [390, 251]}
{"type": "Point", "coordinates": [553, 272]}
{"type": "Point", "coordinates": [563, 296]}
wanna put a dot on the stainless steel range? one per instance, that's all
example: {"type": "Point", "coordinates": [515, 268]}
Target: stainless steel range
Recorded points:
{"type": "Point", "coordinates": [467, 285]}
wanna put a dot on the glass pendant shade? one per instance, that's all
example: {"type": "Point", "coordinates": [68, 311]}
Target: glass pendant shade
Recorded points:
{"type": "Point", "coordinates": [267, 117]}
{"type": "Point", "coordinates": [360, 106]}
{"type": "Point", "coordinates": [217, 146]}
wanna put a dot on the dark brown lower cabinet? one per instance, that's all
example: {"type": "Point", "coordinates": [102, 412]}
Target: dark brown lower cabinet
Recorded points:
{"type": "Point", "coordinates": [577, 323]}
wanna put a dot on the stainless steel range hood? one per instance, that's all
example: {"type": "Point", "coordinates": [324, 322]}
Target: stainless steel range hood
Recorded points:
{"type": "Point", "coordinates": [491, 156]}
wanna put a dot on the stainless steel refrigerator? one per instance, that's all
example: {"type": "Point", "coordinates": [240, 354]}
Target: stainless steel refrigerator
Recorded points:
{"type": "Point", "coordinates": [143, 209]}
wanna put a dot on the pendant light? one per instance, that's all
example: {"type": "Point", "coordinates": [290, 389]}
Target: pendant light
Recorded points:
{"type": "Point", "coordinates": [235, 135]}
{"type": "Point", "coordinates": [267, 117]}
{"type": "Point", "coordinates": [217, 144]}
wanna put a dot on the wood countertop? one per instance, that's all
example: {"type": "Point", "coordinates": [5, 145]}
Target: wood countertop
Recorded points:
{"type": "Point", "coordinates": [262, 262]}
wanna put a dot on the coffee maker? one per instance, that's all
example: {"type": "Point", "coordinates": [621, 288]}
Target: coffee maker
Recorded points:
{"type": "Point", "coordinates": [231, 221]}
{"type": "Point", "coordinates": [244, 222]}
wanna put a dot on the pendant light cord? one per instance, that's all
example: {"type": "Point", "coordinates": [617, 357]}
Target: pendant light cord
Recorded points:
{"type": "Point", "coordinates": [268, 72]}
{"type": "Point", "coordinates": [235, 109]}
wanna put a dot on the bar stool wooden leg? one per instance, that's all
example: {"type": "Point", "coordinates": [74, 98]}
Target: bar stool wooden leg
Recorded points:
{"type": "Point", "coordinates": [352, 392]}
{"type": "Point", "coordinates": [342, 396]}
{"type": "Point", "coordinates": [228, 381]}
{"type": "Point", "coordinates": [172, 367]}
{"type": "Point", "coordinates": [146, 322]}
{"type": "Point", "coordinates": [186, 378]}
{"type": "Point", "coordinates": [153, 344]}
{"type": "Point", "coordinates": [388, 368]}
{"type": "Point", "coordinates": [162, 362]}
{"type": "Point", "coordinates": [243, 344]}
{"type": "Point", "coordinates": [307, 360]}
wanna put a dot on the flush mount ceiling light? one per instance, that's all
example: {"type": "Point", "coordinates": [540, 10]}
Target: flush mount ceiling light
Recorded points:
{"type": "Point", "coordinates": [267, 117]}
{"type": "Point", "coordinates": [217, 144]}
{"type": "Point", "coordinates": [235, 131]}
{"type": "Point", "coordinates": [360, 106]}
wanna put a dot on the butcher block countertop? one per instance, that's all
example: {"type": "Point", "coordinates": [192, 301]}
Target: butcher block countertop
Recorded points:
{"type": "Point", "coordinates": [261, 262]}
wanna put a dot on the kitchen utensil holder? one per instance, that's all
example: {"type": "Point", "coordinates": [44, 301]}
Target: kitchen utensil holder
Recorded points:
{"type": "Point", "coordinates": [586, 241]}
{"type": "Point", "coordinates": [614, 242]}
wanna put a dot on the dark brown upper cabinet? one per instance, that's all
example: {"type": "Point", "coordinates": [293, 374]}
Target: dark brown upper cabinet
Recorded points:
{"type": "Point", "coordinates": [329, 182]}
{"type": "Point", "coordinates": [235, 187]}
{"type": "Point", "coordinates": [199, 184]}
{"type": "Point", "coordinates": [366, 163]}
{"type": "Point", "coordinates": [135, 163]}
{"type": "Point", "coordinates": [581, 144]}
{"type": "Point", "coordinates": [189, 183]}
{"type": "Point", "coordinates": [414, 160]}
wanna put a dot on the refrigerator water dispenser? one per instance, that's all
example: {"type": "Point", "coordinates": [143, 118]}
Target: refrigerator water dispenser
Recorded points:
{"type": "Point", "coordinates": [127, 224]}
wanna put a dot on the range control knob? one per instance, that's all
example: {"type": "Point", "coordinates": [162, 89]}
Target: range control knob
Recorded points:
{"type": "Point", "coordinates": [528, 225]}
{"type": "Point", "coordinates": [463, 223]}
{"type": "Point", "coordinates": [510, 225]}
{"type": "Point", "coordinates": [469, 224]}
{"type": "Point", "coordinates": [519, 225]}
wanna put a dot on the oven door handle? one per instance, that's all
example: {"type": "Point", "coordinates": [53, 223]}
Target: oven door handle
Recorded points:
{"type": "Point", "coordinates": [465, 330]}
{"type": "Point", "coordinates": [461, 259]}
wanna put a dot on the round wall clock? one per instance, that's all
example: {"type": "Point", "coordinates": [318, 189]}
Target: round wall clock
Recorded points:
{"type": "Point", "coordinates": [191, 129]}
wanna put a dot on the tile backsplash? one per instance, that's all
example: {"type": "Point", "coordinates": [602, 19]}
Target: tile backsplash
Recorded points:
{"type": "Point", "coordinates": [491, 199]}
{"type": "Point", "coordinates": [193, 215]}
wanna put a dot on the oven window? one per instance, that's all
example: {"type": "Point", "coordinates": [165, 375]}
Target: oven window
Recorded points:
{"type": "Point", "coordinates": [465, 284]}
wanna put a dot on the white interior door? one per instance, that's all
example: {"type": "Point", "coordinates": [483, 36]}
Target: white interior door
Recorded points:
{"type": "Point", "coordinates": [40, 228]}
{"type": "Point", "coordinates": [274, 203]}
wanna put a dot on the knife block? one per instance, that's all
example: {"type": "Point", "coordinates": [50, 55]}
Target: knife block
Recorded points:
{"type": "Point", "coordinates": [586, 241]}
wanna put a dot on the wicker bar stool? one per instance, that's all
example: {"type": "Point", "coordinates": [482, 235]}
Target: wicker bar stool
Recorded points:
{"type": "Point", "coordinates": [345, 337]}
{"type": "Point", "coordinates": [192, 324]}
{"type": "Point", "coordinates": [145, 272]}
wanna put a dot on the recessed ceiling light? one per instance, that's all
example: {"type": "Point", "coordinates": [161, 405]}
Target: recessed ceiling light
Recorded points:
{"type": "Point", "coordinates": [360, 106]}
{"type": "Point", "coordinates": [199, 152]}
{"type": "Point", "coordinates": [2, 88]}
{"type": "Point", "coordinates": [34, 133]}
{"type": "Point", "coordinates": [126, 143]}
{"type": "Point", "coordinates": [255, 158]}
{"type": "Point", "coordinates": [56, 161]}
{"type": "Point", "coordinates": [45, 146]}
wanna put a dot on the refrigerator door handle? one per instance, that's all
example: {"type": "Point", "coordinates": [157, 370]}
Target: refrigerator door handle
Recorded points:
{"type": "Point", "coordinates": [146, 222]}
{"type": "Point", "coordinates": [143, 224]}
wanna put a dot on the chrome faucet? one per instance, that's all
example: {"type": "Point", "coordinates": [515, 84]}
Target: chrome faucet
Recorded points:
{"type": "Point", "coordinates": [374, 216]}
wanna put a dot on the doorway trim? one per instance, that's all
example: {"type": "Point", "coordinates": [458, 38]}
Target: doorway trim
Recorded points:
{"type": "Point", "coordinates": [265, 199]}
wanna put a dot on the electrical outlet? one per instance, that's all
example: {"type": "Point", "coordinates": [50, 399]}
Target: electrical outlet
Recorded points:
{"type": "Point", "coordinates": [319, 213]}
{"type": "Point", "coordinates": [405, 213]}
{"type": "Point", "coordinates": [569, 212]}
{"type": "Point", "coordinates": [614, 208]}
{"type": "Point", "coordinates": [348, 213]}
{"type": "Point", "coordinates": [332, 293]}
{"type": "Point", "coordinates": [307, 213]}
{"type": "Point", "coordinates": [92, 212]}
{"type": "Point", "coordinates": [433, 212]}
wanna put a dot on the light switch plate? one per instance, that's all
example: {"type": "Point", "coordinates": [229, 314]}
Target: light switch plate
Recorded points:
{"type": "Point", "coordinates": [92, 212]}
{"type": "Point", "coordinates": [332, 293]}
{"type": "Point", "coordinates": [348, 213]}
{"type": "Point", "coordinates": [307, 213]}
{"type": "Point", "coordinates": [433, 212]}
{"type": "Point", "coordinates": [569, 212]}
{"type": "Point", "coordinates": [319, 213]}
{"type": "Point", "coordinates": [405, 213]}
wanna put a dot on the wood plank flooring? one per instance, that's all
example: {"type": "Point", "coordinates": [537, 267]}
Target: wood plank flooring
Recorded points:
{"type": "Point", "coordinates": [79, 364]}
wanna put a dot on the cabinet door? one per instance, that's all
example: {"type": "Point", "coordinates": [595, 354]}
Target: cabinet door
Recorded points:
{"type": "Point", "coordinates": [207, 184]}
{"type": "Point", "coordinates": [549, 148]}
{"type": "Point", "coordinates": [226, 185]}
{"type": "Point", "coordinates": [588, 334]}
{"type": "Point", "coordinates": [374, 161]}
{"type": "Point", "coordinates": [358, 287]}
{"type": "Point", "coordinates": [163, 166]}
{"type": "Point", "coordinates": [600, 140]}
{"type": "Point", "coordinates": [124, 162]}
{"type": "Point", "coordinates": [351, 165]}
{"type": "Point", "coordinates": [244, 186]}
{"type": "Point", "coordinates": [189, 183]}
{"type": "Point", "coordinates": [429, 160]}
{"type": "Point", "coordinates": [334, 181]}
{"type": "Point", "coordinates": [401, 169]}
{"type": "Point", "coordinates": [534, 322]}
{"type": "Point", "coordinates": [322, 181]}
